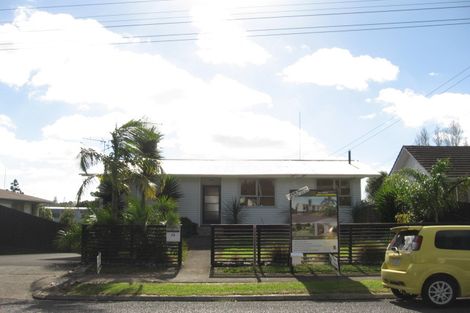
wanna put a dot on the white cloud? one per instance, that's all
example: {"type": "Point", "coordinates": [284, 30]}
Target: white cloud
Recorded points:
{"type": "Point", "coordinates": [224, 41]}
{"type": "Point", "coordinates": [416, 109]}
{"type": "Point", "coordinates": [339, 68]}
{"type": "Point", "coordinates": [6, 122]}
{"type": "Point", "coordinates": [433, 74]}
{"type": "Point", "coordinates": [198, 117]}
{"type": "Point", "coordinates": [368, 116]}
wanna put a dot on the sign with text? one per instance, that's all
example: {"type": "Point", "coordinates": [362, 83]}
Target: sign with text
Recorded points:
{"type": "Point", "coordinates": [314, 219]}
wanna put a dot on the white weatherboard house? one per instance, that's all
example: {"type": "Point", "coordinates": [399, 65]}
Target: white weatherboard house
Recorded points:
{"type": "Point", "coordinates": [208, 186]}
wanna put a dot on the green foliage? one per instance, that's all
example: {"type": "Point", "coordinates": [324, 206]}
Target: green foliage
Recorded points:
{"type": "Point", "coordinates": [234, 210]}
{"type": "Point", "coordinates": [137, 214]}
{"type": "Point", "coordinates": [67, 218]}
{"type": "Point", "coordinates": [405, 218]}
{"type": "Point", "coordinates": [374, 184]}
{"type": "Point", "coordinates": [188, 228]}
{"type": "Point", "coordinates": [69, 240]}
{"type": "Point", "coordinates": [366, 212]}
{"type": "Point", "coordinates": [133, 157]}
{"type": "Point", "coordinates": [100, 216]}
{"type": "Point", "coordinates": [45, 213]}
{"type": "Point", "coordinates": [419, 196]}
{"type": "Point", "coordinates": [169, 187]}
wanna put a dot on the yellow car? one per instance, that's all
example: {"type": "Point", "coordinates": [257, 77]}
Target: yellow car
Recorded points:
{"type": "Point", "coordinates": [430, 261]}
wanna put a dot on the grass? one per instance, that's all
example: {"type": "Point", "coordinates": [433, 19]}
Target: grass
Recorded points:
{"type": "Point", "coordinates": [227, 289]}
{"type": "Point", "coordinates": [316, 269]}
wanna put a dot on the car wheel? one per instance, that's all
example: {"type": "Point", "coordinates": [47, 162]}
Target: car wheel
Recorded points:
{"type": "Point", "coordinates": [439, 291]}
{"type": "Point", "coordinates": [402, 295]}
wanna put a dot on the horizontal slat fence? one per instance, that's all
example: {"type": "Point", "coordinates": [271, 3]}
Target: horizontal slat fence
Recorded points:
{"type": "Point", "coordinates": [273, 244]}
{"type": "Point", "coordinates": [232, 245]}
{"type": "Point", "coordinates": [129, 244]}
{"type": "Point", "coordinates": [240, 245]}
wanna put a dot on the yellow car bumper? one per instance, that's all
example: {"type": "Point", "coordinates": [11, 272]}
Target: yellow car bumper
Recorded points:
{"type": "Point", "coordinates": [400, 280]}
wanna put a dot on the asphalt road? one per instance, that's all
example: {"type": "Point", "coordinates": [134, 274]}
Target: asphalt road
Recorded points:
{"type": "Point", "coordinates": [22, 274]}
{"type": "Point", "coordinates": [383, 306]}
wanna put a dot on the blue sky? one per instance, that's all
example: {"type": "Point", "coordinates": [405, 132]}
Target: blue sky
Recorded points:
{"type": "Point", "coordinates": [224, 93]}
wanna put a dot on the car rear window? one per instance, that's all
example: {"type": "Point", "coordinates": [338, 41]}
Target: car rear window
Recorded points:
{"type": "Point", "coordinates": [404, 240]}
{"type": "Point", "coordinates": [453, 239]}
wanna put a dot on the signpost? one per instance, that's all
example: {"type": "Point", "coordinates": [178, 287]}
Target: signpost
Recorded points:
{"type": "Point", "coordinates": [98, 263]}
{"type": "Point", "coordinates": [314, 222]}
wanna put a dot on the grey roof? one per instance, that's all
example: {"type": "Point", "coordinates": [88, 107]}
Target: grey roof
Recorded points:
{"type": "Point", "coordinates": [185, 167]}
{"type": "Point", "coordinates": [427, 156]}
{"type": "Point", "coordinates": [10, 195]}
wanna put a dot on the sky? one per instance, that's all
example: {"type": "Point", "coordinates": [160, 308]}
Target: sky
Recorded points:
{"type": "Point", "coordinates": [227, 79]}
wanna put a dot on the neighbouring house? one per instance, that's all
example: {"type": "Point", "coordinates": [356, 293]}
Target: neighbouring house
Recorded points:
{"type": "Point", "coordinates": [422, 158]}
{"type": "Point", "coordinates": [78, 212]}
{"type": "Point", "coordinates": [209, 186]}
{"type": "Point", "coordinates": [21, 202]}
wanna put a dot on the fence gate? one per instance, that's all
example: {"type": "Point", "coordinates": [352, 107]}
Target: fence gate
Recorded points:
{"type": "Point", "coordinates": [240, 245]}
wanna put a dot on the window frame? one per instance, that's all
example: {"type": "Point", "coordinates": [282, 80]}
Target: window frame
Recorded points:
{"type": "Point", "coordinates": [338, 186]}
{"type": "Point", "coordinates": [258, 195]}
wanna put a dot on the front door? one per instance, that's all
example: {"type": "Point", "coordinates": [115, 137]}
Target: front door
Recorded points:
{"type": "Point", "coordinates": [211, 205]}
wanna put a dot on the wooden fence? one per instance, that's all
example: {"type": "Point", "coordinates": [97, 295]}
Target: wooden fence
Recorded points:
{"type": "Point", "coordinates": [364, 243]}
{"type": "Point", "coordinates": [129, 244]}
{"type": "Point", "coordinates": [24, 233]}
{"type": "Point", "coordinates": [238, 245]}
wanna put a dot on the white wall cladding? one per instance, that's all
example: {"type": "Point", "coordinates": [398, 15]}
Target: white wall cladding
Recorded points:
{"type": "Point", "coordinates": [190, 204]}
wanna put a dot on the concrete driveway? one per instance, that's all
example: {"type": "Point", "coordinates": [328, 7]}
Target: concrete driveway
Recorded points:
{"type": "Point", "coordinates": [21, 274]}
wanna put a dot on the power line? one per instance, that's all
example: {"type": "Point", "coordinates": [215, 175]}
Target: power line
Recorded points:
{"type": "Point", "coordinates": [397, 119]}
{"type": "Point", "coordinates": [250, 13]}
{"type": "Point", "coordinates": [451, 22]}
{"type": "Point", "coordinates": [276, 17]}
{"type": "Point", "coordinates": [77, 5]}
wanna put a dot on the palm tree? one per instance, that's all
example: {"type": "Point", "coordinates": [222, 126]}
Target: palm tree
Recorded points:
{"type": "Point", "coordinates": [133, 157]}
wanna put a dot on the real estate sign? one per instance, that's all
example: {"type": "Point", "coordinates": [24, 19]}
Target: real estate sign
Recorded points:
{"type": "Point", "coordinates": [314, 219]}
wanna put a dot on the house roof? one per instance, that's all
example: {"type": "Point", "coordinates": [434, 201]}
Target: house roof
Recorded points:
{"type": "Point", "coordinates": [427, 156]}
{"type": "Point", "coordinates": [10, 195]}
{"type": "Point", "coordinates": [185, 167]}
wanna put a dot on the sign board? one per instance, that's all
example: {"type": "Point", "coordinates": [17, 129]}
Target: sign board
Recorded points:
{"type": "Point", "coordinates": [314, 220]}
{"type": "Point", "coordinates": [297, 192]}
{"type": "Point", "coordinates": [98, 263]}
{"type": "Point", "coordinates": [173, 234]}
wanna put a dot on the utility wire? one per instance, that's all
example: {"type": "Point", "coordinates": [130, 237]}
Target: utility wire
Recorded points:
{"type": "Point", "coordinates": [451, 22]}
{"type": "Point", "coordinates": [278, 17]}
{"type": "Point", "coordinates": [77, 5]}
{"type": "Point", "coordinates": [395, 120]}
{"type": "Point", "coordinates": [249, 13]}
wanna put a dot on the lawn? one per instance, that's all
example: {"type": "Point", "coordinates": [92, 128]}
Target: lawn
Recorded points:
{"type": "Point", "coordinates": [227, 289]}
{"type": "Point", "coordinates": [314, 269]}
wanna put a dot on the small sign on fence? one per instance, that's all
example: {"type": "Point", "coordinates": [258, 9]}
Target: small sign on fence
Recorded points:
{"type": "Point", "coordinates": [173, 234]}
{"type": "Point", "coordinates": [98, 263]}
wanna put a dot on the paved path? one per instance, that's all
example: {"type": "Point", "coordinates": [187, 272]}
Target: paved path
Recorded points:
{"type": "Point", "coordinates": [197, 266]}
{"type": "Point", "coordinates": [20, 275]}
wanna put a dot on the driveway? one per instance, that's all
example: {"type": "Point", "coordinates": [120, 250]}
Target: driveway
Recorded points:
{"type": "Point", "coordinates": [21, 274]}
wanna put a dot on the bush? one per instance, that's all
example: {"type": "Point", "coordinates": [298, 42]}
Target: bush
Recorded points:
{"type": "Point", "coordinates": [366, 212]}
{"type": "Point", "coordinates": [69, 240]}
{"type": "Point", "coordinates": [188, 228]}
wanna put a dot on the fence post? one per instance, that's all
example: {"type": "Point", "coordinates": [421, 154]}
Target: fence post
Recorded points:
{"type": "Point", "coordinates": [258, 243]}
{"type": "Point", "coordinates": [254, 245]}
{"type": "Point", "coordinates": [83, 243]}
{"type": "Point", "coordinates": [180, 252]}
{"type": "Point", "coordinates": [350, 246]}
{"type": "Point", "coordinates": [212, 246]}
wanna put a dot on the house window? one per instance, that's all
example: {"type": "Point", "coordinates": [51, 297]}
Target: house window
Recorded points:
{"type": "Point", "coordinates": [257, 192]}
{"type": "Point", "coordinates": [340, 185]}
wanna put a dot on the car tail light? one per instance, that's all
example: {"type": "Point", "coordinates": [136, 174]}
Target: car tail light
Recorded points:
{"type": "Point", "coordinates": [417, 241]}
